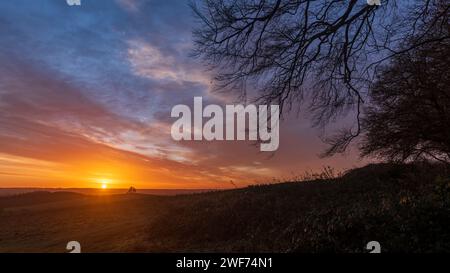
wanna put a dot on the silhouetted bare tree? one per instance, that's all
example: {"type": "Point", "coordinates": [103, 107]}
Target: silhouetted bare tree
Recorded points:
{"type": "Point", "coordinates": [333, 48]}
{"type": "Point", "coordinates": [410, 113]}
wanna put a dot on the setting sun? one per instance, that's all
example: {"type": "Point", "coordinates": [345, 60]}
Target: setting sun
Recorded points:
{"type": "Point", "coordinates": [103, 182]}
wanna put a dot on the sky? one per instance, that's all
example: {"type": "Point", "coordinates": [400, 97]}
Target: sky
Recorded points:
{"type": "Point", "coordinates": [86, 94]}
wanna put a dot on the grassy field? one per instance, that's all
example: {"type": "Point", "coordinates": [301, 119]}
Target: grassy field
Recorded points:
{"type": "Point", "coordinates": [404, 207]}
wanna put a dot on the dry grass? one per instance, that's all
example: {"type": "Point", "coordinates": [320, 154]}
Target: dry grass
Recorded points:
{"type": "Point", "coordinates": [404, 207]}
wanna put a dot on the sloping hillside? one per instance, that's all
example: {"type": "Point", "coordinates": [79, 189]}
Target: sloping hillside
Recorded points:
{"type": "Point", "coordinates": [404, 207]}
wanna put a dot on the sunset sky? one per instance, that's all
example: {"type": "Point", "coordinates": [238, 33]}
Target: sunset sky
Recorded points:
{"type": "Point", "coordinates": [86, 94]}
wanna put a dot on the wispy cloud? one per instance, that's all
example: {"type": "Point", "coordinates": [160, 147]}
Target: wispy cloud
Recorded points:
{"type": "Point", "coordinates": [130, 5]}
{"type": "Point", "coordinates": [150, 62]}
{"type": "Point", "coordinates": [87, 92]}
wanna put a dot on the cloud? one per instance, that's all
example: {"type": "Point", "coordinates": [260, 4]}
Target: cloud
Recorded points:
{"type": "Point", "coordinates": [129, 5]}
{"type": "Point", "coordinates": [88, 92]}
{"type": "Point", "coordinates": [37, 153]}
{"type": "Point", "coordinates": [149, 61]}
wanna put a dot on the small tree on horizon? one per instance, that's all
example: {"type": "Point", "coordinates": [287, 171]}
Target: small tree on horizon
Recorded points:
{"type": "Point", "coordinates": [132, 190]}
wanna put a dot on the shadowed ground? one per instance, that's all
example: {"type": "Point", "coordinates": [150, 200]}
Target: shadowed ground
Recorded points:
{"type": "Point", "coordinates": [404, 207]}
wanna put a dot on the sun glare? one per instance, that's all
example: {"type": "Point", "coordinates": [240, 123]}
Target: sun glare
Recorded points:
{"type": "Point", "coordinates": [104, 183]}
